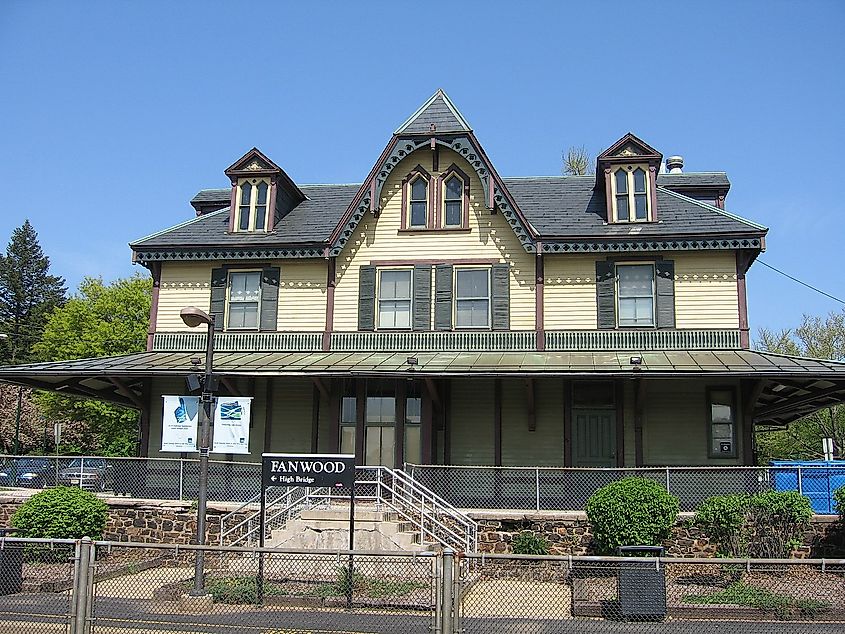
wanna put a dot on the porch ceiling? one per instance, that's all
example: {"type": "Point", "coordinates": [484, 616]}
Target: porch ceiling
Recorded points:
{"type": "Point", "coordinates": [786, 387]}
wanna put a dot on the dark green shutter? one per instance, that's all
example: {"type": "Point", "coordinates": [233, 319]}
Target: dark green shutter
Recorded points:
{"type": "Point", "coordinates": [367, 298]}
{"type": "Point", "coordinates": [606, 294]}
{"type": "Point", "coordinates": [501, 297]}
{"type": "Point", "coordinates": [269, 299]}
{"type": "Point", "coordinates": [665, 283]}
{"type": "Point", "coordinates": [219, 278]}
{"type": "Point", "coordinates": [443, 297]}
{"type": "Point", "coordinates": [422, 297]}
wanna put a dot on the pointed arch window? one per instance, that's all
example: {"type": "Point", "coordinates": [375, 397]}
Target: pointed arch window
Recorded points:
{"type": "Point", "coordinates": [417, 200]}
{"type": "Point", "coordinates": [631, 196]}
{"type": "Point", "coordinates": [253, 203]}
{"type": "Point", "coordinates": [418, 216]}
{"type": "Point", "coordinates": [454, 202]}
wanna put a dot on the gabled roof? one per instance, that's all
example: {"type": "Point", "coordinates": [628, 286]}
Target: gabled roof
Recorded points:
{"type": "Point", "coordinates": [438, 111]}
{"type": "Point", "coordinates": [629, 146]}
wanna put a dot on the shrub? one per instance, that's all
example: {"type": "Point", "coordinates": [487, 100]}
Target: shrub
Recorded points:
{"type": "Point", "coordinates": [631, 512]}
{"type": "Point", "coordinates": [528, 543]}
{"type": "Point", "coordinates": [61, 513]}
{"type": "Point", "coordinates": [839, 499]}
{"type": "Point", "coordinates": [778, 521]}
{"type": "Point", "coordinates": [725, 520]}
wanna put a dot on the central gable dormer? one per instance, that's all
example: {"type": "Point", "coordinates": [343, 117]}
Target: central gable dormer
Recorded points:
{"type": "Point", "coordinates": [627, 171]}
{"type": "Point", "coordinates": [262, 194]}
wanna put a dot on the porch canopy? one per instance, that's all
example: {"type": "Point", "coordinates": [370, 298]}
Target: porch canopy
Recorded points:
{"type": "Point", "coordinates": [783, 388]}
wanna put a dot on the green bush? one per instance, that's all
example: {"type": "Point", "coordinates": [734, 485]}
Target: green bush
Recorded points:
{"type": "Point", "coordinates": [61, 513]}
{"type": "Point", "coordinates": [839, 499]}
{"type": "Point", "coordinates": [778, 521]}
{"type": "Point", "coordinates": [725, 520]}
{"type": "Point", "coordinates": [631, 512]}
{"type": "Point", "coordinates": [529, 543]}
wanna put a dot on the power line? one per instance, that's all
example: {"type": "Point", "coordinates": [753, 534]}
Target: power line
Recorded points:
{"type": "Point", "coordinates": [795, 279]}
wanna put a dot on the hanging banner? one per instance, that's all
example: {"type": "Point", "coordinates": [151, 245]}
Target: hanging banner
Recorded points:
{"type": "Point", "coordinates": [179, 423]}
{"type": "Point", "coordinates": [231, 424]}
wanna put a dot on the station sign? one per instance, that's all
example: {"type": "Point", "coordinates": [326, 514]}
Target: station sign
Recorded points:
{"type": "Point", "coordinates": [307, 470]}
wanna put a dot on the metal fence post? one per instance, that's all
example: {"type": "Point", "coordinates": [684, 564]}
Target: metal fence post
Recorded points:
{"type": "Point", "coordinates": [81, 471]}
{"type": "Point", "coordinates": [667, 480]}
{"type": "Point", "coordinates": [181, 479]}
{"type": "Point", "coordinates": [537, 486]}
{"type": "Point", "coordinates": [447, 602]}
{"type": "Point", "coordinates": [82, 590]}
{"type": "Point", "coordinates": [800, 482]}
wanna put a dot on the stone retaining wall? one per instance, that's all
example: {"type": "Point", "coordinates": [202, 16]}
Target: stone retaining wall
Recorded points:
{"type": "Point", "coordinates": [146, 521]}
{"type": "Point", "coordinates": [570, 534]}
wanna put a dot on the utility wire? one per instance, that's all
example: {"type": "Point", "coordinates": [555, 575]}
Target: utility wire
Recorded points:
{"type": "Point", "coordinates": [795, 279]}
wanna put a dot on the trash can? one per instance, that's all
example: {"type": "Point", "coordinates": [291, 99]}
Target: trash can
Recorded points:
{"type": "Point", "coordinates": [641, 585]}
{"type": "Point", "coordinates": [11, 564]}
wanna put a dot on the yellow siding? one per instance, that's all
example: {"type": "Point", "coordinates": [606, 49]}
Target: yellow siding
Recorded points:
{"type": "Point", "coordinates": [302, 293]}
{"type": "Point", "coordinates": [570, 292]}
{"type": "Point", "coordinates": [705, 290]}
{"type": "Point", "coordinates": [182, 284]}
{"type": "Point", "coordinates": [489, 237]}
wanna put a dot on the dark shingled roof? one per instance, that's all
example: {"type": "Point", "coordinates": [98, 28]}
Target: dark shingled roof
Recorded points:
{"type": "Point", "coordinates": [571, 206]}
{"type": "Point", "coordinates": [556, 206]}
{"type": "Point", "coordinates": [311, 221]}
{"type": "Point", "coordinates": [695, 180]}
{"type": "Point", "coordinates": [438, 110]}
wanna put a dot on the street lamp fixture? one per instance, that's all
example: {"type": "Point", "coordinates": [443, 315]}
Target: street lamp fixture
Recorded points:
{"type": "Point", "coordinates": [193, 317]}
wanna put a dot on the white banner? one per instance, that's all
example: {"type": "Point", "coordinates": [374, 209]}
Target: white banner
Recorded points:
{"type": "Point", "coordinates": [231, 424]}
{"type": "Point", "coordinates": [179, 423]}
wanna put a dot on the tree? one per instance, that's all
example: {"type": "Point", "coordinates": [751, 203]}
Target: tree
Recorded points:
{"type": "Point", "coordinates": [821, 338]}
{"type": "Point", "coordinates": [577, 161]}
{"type": "Point", "coordinates": [100, 320]}
{"type": "Point", "coordinates": [28, 294]}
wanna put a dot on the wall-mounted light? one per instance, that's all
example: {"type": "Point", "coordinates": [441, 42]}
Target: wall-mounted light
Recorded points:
{"type": "Point", "coordinates": [636, 361]}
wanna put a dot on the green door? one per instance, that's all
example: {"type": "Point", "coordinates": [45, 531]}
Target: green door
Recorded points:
{"type": "Point", "coordinates": [593, 438]}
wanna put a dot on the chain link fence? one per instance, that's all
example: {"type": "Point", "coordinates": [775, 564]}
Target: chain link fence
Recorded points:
{"type": "Point", "coordinates": [569, 488]}
{"type": "Point", "coordinates": [147, 478]}
{"type": "Point", "coordinates": [84, 587]}
{"type": "Point", "coordinates": [518, 594]}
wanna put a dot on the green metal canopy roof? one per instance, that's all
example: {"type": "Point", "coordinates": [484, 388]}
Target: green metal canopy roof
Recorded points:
{"type": "Point", "coordinates": [788, 387]}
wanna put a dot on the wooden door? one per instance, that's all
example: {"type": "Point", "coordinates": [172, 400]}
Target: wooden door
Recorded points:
{"type": "Point", "coordinates": [593, 438]}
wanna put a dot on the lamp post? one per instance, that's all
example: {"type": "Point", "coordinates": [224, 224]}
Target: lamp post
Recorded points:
{"type": "Point", "coordinates": [194, 317]}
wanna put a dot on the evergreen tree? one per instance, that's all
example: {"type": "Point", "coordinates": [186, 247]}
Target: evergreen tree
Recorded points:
{"type": "Point", "coordinates": [28, 294]}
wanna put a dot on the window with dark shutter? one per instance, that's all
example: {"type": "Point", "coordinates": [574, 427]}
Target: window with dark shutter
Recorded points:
{"type": "Point", "coordinates": [219, 278]}
{"type": "Point", "coordinates": [606, 294]}
{"type": "Point", "coordinates": [665, 282]}
{"type": "Point", "coordinates": [501, 297]}
{"type": "Point", "coordinates": [366, 297]}
{"type": "Point", "coordinates": [422, 297]}
{"type": "Point", "coordinates": [269, 299]}
{"type": "Point", "coordinates": [443, 297]}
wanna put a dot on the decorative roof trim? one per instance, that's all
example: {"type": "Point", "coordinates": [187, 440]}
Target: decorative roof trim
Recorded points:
{"type": "Point", "coordinates": [232, 253]}
{"type": "Point", "coordinates": [663, 244]}
{"type": "Point", "coordinates": [439, 93]}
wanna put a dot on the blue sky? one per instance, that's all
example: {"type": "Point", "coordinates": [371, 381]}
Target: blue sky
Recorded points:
{"type": "Point", "coordinates": [114, 114]}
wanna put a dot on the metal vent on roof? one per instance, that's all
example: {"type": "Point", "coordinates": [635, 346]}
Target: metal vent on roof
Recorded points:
{"type": "Point", "coordinates": [675, 164]}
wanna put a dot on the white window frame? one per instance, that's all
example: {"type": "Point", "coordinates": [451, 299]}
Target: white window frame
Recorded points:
{"type": "Point", "coordinates": [410, 300]}
{"type": "Point", "coordinates": [456, 299]}
{"type": "Point", "coordinates": [229, 300]}
{"type": "Point", "coordinates": [631, 194]}
{"type": "Point", "coordinates": [253, 205]}
{"type": "Point", "coordinates": [409, 211]}
{"type": "Point", "coordinates": [653, 323]}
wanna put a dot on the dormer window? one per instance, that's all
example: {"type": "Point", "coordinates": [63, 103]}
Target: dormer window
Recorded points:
{"type": "Point", "coordinates": [253, 197]}
{"type": "Point", "coordinates": [417, 202]}
{"type": "Point", "coordinates": [454, 202]}
{"type": "Point", "coordinates": [631, 200]}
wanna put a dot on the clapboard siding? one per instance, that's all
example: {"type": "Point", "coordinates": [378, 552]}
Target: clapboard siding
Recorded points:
{"type": "Point", "coordinates": [544, 445]}
{"type": "Point", "coordinates": [706, 291]}
{"type": "Point", "coordinates": [471, 422]}
{"type": "Point", "coordinates": [182, 284]}
{"type": "Point", "coordinates": [570, 292]}
{"type": "Point", "coordinates": [302, 296]}
{"type": "Point", "coordinates": [489, 238]}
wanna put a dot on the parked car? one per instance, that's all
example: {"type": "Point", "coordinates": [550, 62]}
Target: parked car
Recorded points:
{"type": "Point", "coordinates": [33, 472]}
{"type": "Point", "coordinates": [91, 474]}
{"type": "Point", "coordinates": [7, 478]}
